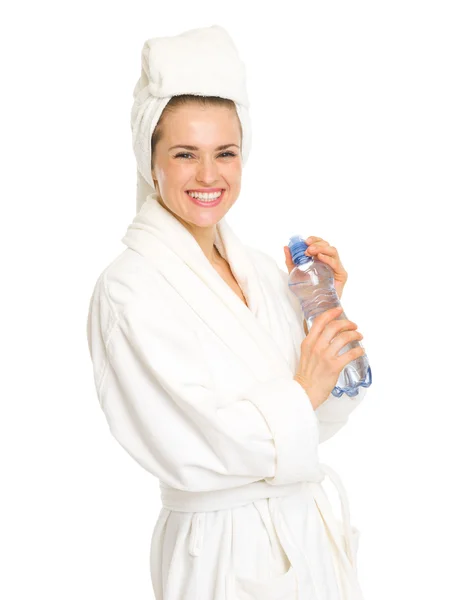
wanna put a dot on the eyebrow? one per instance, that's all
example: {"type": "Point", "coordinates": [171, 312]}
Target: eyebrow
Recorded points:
{"type": "Point", "coordinates": [222, 147]}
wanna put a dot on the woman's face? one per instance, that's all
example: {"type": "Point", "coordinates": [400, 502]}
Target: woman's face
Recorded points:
{"type": "Point", "coordinates": [214, 163]}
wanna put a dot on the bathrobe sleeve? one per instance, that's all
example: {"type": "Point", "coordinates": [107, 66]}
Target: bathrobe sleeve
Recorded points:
{"type": "Point", "coordinates": [163, 408]}
{"type": "Point", "coordinates": [332, 414]}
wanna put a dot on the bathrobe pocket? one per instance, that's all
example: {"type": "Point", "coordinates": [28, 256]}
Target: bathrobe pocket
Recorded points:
{"type": "Point", "coordinates": [336, 528]}
{"type": "Point", "coordinates": [280, 587]}
{"type": "Point", "coordinates": [340, 540]}
{"type": "Point", "coordinates": [354, 541]}
{"type": "Point", "coordinates": [278, 580]}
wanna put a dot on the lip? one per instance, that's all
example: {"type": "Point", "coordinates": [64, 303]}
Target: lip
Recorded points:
{"type": "Point", "coordinates": [205, 190]}
{"type": "Point", "coordinates": [207, 204]}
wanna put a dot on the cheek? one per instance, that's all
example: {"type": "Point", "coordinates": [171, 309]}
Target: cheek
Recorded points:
{"type": "Point", "coordinates": [234, 172]}
{"type": "Point", "coordinates": [175, 174]}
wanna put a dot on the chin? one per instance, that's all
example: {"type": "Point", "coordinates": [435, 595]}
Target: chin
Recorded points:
{"type": "Point", "coordinates": [207, 220]}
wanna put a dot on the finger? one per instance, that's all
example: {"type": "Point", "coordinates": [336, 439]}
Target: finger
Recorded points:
{"type": "Point", "coordinates": [332, 329]}
{"type": "Point", "coordinates": [333, 261]}
{"type": "Point", "coordinates": [288, 254]}
{"type": "Point", "coordinates": [348, 356]}
{"type": "Point", "coordinates": [288, 259]}
{"type": "Point", "coordinates": [319, 323]}
{"type": "Point", "coordinates": [323, 247]}
{"type": "Point", "coordinates": [342, 339]}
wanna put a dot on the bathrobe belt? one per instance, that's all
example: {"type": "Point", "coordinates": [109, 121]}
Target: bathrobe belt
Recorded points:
{"type": "Point", "coordinates": [202, 502]}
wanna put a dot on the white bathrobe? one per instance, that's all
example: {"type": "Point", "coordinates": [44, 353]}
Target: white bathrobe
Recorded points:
{"type": "Point", "coordinates": [198, 388]}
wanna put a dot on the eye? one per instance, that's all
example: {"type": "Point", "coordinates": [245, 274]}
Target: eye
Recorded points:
{"type": "Point", "coordinates": [183, 154]}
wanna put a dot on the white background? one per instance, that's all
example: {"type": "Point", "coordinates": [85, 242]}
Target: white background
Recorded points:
{"type": "Point", "coordinates": [352, 128]}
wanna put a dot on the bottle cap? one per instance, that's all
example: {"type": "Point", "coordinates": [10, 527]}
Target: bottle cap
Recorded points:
{"type": "Point", "coordinates": [297, 247]}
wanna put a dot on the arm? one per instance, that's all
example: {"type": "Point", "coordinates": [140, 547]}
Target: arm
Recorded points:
{"type": "Point", "coordinates": [334, 412]}
{"type": "Point", "coordinates": [163, 408]}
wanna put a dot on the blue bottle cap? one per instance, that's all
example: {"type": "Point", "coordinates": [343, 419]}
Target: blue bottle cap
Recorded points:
{"type": "Point", "coordinates": [297, 247]}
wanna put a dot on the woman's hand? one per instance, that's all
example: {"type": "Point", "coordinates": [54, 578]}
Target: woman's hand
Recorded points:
{"type": "Point", "coordinates": [320, 366]}
{"type": "Point", "coordinates": [328, 254]}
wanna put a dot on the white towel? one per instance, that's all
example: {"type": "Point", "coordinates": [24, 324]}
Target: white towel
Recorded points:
{"type": "Point", "coordinates": [201, 61]}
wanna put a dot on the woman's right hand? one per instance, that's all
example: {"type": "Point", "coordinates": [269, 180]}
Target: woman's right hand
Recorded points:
{"type": "Point", "coordinates": [320, 365]}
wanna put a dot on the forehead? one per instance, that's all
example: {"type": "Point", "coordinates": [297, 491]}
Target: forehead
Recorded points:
{"type": "Point", "coordinates": [192, 122]}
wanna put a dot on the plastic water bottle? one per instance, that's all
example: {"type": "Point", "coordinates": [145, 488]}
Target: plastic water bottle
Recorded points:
{"type": "Point", "coordinates": [312, 281]}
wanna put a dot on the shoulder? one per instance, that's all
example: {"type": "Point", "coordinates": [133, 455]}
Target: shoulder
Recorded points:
{"type": "Point", "coordinates": [123, 282]}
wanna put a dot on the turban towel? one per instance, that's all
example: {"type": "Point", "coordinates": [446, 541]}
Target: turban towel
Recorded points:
{"type": "Point", "coordinates": [202, 62]}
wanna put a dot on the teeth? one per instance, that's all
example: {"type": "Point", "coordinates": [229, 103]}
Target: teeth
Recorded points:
{"type": "Point", "coordinates": [206, 197]}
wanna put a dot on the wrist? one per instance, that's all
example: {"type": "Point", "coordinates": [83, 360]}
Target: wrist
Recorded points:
{"type": "Point", "coordinates": [301, 382]}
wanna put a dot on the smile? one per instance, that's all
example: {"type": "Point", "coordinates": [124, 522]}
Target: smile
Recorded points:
{"type": "Point", "coordinates": [207, 200]}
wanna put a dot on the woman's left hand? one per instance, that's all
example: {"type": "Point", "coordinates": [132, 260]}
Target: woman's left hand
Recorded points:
{"type": "Point", "coordinates": [321, 250]}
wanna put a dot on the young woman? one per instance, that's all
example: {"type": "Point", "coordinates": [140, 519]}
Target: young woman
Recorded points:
{"type": "Point", "coordinates": [202, 366]}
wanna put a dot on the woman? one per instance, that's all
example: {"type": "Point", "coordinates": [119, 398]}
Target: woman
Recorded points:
{"type": "Point", "coordinates": [201, 364]}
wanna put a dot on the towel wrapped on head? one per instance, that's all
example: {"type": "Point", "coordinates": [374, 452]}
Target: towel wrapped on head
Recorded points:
{"type": "Point", "coordinates": [202, 62]}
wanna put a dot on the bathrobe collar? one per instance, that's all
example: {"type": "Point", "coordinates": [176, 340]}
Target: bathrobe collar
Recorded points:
{"type": "Point", "coordinates": [262, 335]}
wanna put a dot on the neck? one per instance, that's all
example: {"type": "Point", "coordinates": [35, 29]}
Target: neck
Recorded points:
{"type": "Point", "coordinates": [205, 237]}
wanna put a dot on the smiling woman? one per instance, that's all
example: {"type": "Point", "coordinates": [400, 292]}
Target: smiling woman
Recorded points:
{"type": "Point", "coordinates": [195, 341]}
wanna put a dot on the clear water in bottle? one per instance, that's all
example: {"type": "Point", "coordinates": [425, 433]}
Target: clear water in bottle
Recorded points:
{"type": "Point", "coordinates": [312, 282]}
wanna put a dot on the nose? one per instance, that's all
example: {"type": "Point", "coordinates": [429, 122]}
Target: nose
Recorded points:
{"type": "Point", "coordinates": [207, 172]}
